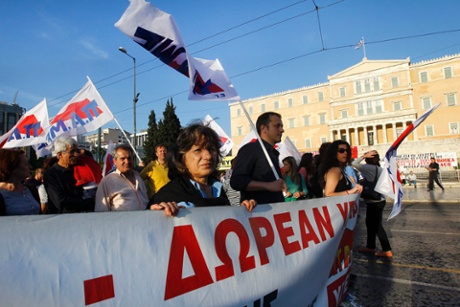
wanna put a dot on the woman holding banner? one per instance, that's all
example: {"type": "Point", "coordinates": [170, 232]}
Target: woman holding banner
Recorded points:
{"type": "Point", "coordinates": [193, 173]}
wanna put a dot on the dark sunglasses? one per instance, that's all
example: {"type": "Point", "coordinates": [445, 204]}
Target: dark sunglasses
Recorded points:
{"type": "Point", "coordinates": [342, 150]}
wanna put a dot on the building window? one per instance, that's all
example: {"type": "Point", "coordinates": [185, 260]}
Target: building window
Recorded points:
{"type": "Point", "coordinates": [369, 108]}
{"type": "Point", "coordinates": [276, 105]}
{"type": "Point", "coordinates": [429, 130]}
{"type": "Point", "coordinates": [367, 85]}
{"type": "Point", "coordinates": [2, 122]}
{"type": "Point", "coordinates": [323, 139]}
{"type": "Point", "coordinates": [344, 113]}
{"type": "Point", "coordinates": [322, 118]}
{"type": "Point", "coordinates": [453, 127]}
{"type": "Point", "coordinates": [306, 120]}
{"type": "Point", "coordinates": [290, 103]}
{"type": "Point", "coordinates": [358, 87]}
{"type": "Point", "coordinates": [10, 121]}
{"type": "Point", "coordinates": [426, 103]}
{"type": "Point", "coordinates": [360, 109]}
{"type": "Point", "coordinates": [250, 110]}
{"type": "Point", "coordinates": [239, 131]}
{"type": "Point", "coordinates": [397, 106]}
{"type": "Point", "coordinates": [308, 143]}
{"type": "Point", "coordinates": [450, 99]}
{"type": "Point", "coordinates": [305, 99]}
{"type": "Point", "coordinates": [423, 77]}
{"type": "Point", "coordinates": [376, 84]}
{"type": "Point", "coordinates": [262, 108]}
{"type": "Point", "coordinates": [378, 106]}
{"type": "Point", "coordinates": [291, 122]}
{"type": "Point", "coordinates": [342, 92]}
{"type": "Point", "coordinates": [238, 112]}
{"type": "Point", "coordinates": [370, 138]}
{"type": "Point", "coordinates": [320, 96]}
{"type": "Point", "coordinates": [394, 82]}
{"type": "Point", "coordinates": [447, 72]}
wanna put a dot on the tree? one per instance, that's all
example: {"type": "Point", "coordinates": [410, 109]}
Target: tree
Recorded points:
{"type": "Point", "coordinates": [150, 142]}
{"type": "Point", "coordinates": [169, 127]}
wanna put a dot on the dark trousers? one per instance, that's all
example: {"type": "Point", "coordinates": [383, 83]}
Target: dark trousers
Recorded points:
{"type": "Point", "coordinates": [374, 215]}
{"type": "Point", "coordinates": [434, 178]}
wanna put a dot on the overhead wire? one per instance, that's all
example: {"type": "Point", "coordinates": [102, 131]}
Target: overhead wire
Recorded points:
{"type": "Point", "coordinates": [323, 49]}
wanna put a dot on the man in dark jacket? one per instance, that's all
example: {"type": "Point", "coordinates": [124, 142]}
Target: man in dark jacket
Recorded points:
{"type": "Point", "coordinates": [60, 184]}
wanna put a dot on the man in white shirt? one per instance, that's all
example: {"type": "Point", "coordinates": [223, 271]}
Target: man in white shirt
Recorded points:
{"type": "Point", "coordinates": [123, 189]}
{"type": "Point", "coordinates": [412, 179]}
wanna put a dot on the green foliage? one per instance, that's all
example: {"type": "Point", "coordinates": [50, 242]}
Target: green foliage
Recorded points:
{"type": "Point", "coordinates": [149, 144]}
{"type": "Point", "coordinates": [165, 132]}
{"type": "Point", "coordinates": [169, 127]}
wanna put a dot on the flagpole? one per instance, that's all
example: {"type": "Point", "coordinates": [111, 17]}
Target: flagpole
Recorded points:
{"type": "Point", "coordinates": [270, 162]}
{"type": "Point", "coordinates": [364, 47]}
{"type": "Point", "coordinates": [127, 139]}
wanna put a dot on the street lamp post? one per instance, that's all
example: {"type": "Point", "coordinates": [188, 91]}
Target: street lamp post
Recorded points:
{"type": "Point", "coordinates": [135, 97]}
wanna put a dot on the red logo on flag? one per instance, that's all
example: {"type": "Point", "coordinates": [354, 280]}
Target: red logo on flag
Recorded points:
{"type": "Point", "coordinates": [98, 289]}
{"type": "Point", "coordinates": [204, 88]}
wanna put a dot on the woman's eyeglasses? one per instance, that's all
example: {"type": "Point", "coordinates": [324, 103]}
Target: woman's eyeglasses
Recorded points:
{"type": "Point", "coordinates": [341, 150]}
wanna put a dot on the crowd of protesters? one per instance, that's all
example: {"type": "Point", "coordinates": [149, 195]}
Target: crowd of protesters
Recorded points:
{"type": "Point", "coordinates": [186, 176]}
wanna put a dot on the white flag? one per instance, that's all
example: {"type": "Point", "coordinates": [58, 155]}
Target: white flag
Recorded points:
{"type": "Point", "coordinates": [208, 81]}
{"type": "Point", "coordinates": [29, 130]}
{"type": "Point", "coordinates": [85, 112]}
{"type": "Point", "coordinates": [158, 33]}
{"type": "Point", "coordinates": [226, 141]}
{"type": "Point", "coordinates": [286, 149]}
{"type": "Point", "coordinates": [360, 44]}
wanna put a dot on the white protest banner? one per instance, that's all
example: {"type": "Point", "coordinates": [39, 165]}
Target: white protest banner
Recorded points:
{"type": "Point", "coordinates": [278, 255]}
{"type": "Point", "coordinates": [226, 141]}
{"type": "Point", "coordinates": [29, 128]}
{"type": "Point", "coordinates": [422, 160]}
{"type": "Point", "coordinates": [85, 112]}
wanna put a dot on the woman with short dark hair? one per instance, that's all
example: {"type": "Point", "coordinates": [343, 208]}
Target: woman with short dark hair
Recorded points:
{"type": "Point", "coordinates": [193, 172]}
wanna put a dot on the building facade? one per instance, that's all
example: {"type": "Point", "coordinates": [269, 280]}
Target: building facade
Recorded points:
{"type": "Point", "coordinates": [369, 105]}
{"type": "Point", "coordinates": [9, 116]}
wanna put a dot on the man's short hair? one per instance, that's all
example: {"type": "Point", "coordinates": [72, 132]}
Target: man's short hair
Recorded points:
{"type": "Point", "coordinates": [126, 147]}
{"type": "Point", "coordinates": [159, 145]}
{"type": "Point", "coordinates": [63, 142]}
{"type": "Point", "coordinates": [264, 120]}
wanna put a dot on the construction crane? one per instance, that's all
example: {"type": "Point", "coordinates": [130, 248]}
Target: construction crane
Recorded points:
{"type": "Point", "coordinates": [14, 98]}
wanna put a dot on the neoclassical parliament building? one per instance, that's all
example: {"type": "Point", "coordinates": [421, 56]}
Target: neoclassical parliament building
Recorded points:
{"type": "Point", "coordinates": [369, 105]}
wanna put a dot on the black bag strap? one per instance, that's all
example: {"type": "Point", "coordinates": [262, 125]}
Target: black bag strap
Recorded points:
{"type": "Point", "coordinates": [376, 174]}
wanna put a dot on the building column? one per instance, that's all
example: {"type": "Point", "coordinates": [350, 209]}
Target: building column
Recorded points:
{"type": "Point", "coordinates": [384, 132]}
{"type": "Point", "coordinates": [395, 135]}
{"type": "Point", "coordinates": [374, 129]}
{"type": "Point", "coordinates": [366, 136]}
{"type": "Point", "coordinates": [356, 136]}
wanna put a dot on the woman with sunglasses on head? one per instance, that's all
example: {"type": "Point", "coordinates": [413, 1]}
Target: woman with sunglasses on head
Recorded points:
{"type": "Point", "coordinates": [335, 182]}
{"type": "Point", "coordinates": [374, 212]}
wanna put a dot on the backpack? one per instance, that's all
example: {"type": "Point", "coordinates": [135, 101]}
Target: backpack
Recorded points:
{"type": "Point", "coordinates": [369, 188]}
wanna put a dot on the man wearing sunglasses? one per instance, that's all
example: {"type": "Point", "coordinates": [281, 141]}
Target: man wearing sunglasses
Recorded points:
{"type": "Point", "coordinates": [63, 194]}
